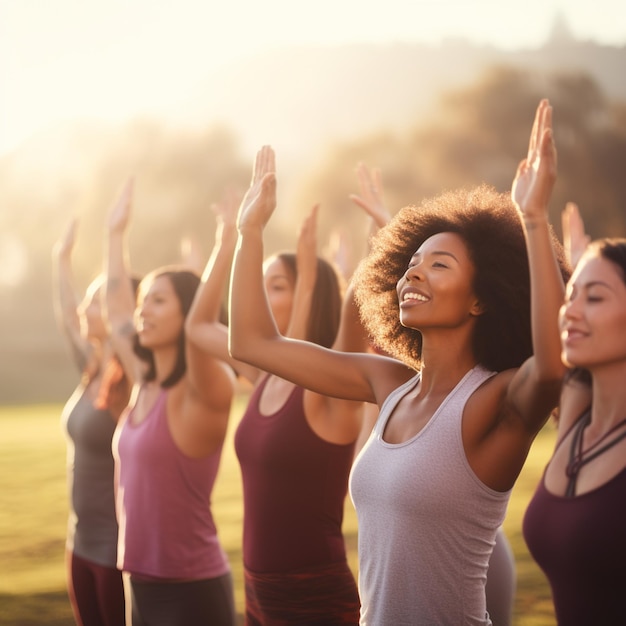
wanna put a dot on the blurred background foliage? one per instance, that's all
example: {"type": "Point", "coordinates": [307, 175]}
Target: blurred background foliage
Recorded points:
{"type": "Point", "coordinates": [474, 132]}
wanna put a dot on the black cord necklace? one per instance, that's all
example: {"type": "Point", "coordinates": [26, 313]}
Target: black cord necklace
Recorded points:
{"type": "Point", "coordinates": [579, 457]}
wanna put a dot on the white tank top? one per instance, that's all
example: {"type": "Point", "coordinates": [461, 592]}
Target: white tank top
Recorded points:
{"type": "Point", "coordinates": [427, 524]}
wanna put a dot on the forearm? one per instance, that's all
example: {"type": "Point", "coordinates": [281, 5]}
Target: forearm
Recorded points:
{"type": "Point", "coordinates": [65, 309]}
{"type": "Point", "coordinates": [120, 299]}
{"type": "Point", "coordinates": [65, 301]}
{"type": "Point", "coordinates": [251, 319]}
{"type": "Point", "coordinates": [302, 301]}
{"type": "Point", "coordinates": [547, 292]}
{"type": "Point", "coordinates": [209, 298]}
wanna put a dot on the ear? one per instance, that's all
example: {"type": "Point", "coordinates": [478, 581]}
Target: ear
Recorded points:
{"type": "Point", "coordinates": [477, 308]}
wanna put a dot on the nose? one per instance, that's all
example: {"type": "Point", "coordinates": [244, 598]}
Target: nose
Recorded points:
{"type": "Point", "coordinates": [414, 272]}
{"type": "Point", "coordinates": [571, 308]}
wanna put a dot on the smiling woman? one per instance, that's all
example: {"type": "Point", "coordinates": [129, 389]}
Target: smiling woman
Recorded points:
{"type": "Point", "coordinates": [435, 476]}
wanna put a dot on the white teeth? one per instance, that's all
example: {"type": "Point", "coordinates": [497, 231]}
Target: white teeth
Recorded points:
{"type": "Point", "coordinates": [415, 296]}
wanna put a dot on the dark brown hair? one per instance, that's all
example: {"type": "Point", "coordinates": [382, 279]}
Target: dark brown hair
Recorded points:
{"type": "Point", "coordinates": [491, 228]}
{"type": "Point", "coordinates": [185, 283]}
{"type": "Point", "coordinates": [325, 313]}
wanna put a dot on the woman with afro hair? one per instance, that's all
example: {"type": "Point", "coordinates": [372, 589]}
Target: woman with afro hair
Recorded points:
{"type": "Point", "coordinates": [463, 293]}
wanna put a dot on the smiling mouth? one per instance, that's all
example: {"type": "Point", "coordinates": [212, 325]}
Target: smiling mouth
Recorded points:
{"type": "Point", "coordinates": [414, 296]}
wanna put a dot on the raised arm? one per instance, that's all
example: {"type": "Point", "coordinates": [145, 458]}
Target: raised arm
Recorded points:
{"type": "Point", "coordinates": [370, 196]}
{"type": "Point", "coordinates": [64, 296]}
{"type": "Point", "coordinates": [203, 329]}
{"type": "Point", "coordinates": [252, 333]}
{"type": "Point", "coordinates": [306, 261]}
{"type": "Point", "coordinates": [575, 240]}
{"type": "Point", "coordinates": [534, 390]}
{"type": "Point", "coordinates": [120, 296]}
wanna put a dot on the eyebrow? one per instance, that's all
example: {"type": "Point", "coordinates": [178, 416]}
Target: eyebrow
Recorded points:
{"type": "Point", "coordinates": [597, 283]}
{"type": "Point", "coordinates": [591, 285]}
{"type": "Point", "coordinates": [436, 253]}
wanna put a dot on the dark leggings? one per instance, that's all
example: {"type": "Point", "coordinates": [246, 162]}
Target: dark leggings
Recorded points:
{"type": "Point", "coordinates": [191, 603]}
{"type": "Point", "coordinates": [96, 593]}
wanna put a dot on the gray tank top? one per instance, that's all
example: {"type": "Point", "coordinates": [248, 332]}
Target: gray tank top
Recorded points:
{"type": "Point", "coordinates": [427, 524]}
{"type": "Point", "coordinates": [92, 525]}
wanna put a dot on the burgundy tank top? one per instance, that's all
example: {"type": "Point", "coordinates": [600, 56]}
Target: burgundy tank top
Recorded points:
{"type": "Point", "coordinates": [163, 503]}
{"type": "Point", "coordinates": [294, 486]}
{"type": "Point", "coordinates": [580, 544]}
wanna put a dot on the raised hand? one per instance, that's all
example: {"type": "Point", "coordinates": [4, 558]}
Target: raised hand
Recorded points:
{"type": "Point", "coordinates": [536, 174]}
{"type": "Point", "coordinates": [191, 253]}
{"type": "Point", "coordinates": [65, 244]}
{"type": "Point", "coordinates": [226, 210]}
{"type": "Point", "coordinates": [306, 250]}
{"type": "Point", "coordinates": [260, 200]}
{"type": "Point", "coordinates": [371, 194]}
{"type": "Point", "coordinates": [575, 240]}
{"type": "Point", "coordinates": [119, 215]}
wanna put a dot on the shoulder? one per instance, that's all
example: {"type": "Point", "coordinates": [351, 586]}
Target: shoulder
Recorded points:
{"type": "Point", "coordinates": [388, 374]}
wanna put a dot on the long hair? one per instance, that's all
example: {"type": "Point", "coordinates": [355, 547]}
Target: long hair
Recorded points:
{"type": "Point", "coordinates": [612, 249]}
{"type": "Point", "coordinates": [325, 313]}
{"type": "Point", "coordinates": [185, 283]}
{"type": "Point", "coordinates": [491, 228]}
{"type": "Point", "coordinates": [114, 390]}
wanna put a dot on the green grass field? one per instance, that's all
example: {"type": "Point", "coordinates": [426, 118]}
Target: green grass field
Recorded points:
{"type": "Point", "coordinates": [33, 514]}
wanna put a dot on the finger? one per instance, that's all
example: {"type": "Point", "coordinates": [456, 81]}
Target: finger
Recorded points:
{"type": "Point", "coordinates": [314, 211]}
{"type": "Point", "coordinates": [360, 202]}
{"type": "Point", "coordinates": [377, 179]}
{"type": "Point", "coordinates": [534, 133]}
{"type": "Point", "coordinates": [364, 179]}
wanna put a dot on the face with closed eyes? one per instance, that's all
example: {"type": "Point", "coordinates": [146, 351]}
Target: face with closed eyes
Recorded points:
{"type": "Point", "coordinates": [280, 287]}
{"type": "Point", "coordinates": [436, 291]}
{"type": "Point", "coordinates": [593, 317]}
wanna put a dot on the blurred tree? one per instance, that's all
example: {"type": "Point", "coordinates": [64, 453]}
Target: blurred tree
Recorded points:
{"type": "Point", "coordinates": [478, 134]}
{"type": "Point", "coordinates": [78, 173]}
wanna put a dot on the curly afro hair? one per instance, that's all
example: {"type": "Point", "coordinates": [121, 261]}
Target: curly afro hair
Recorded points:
{"type": "Point", "coordinates": [490, 226]}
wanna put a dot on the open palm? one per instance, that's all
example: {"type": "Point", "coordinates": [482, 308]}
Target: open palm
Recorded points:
{"type": "Point", "coordinates": [260, 200]}
{"type": "Point", "coordinates": [536, 174]}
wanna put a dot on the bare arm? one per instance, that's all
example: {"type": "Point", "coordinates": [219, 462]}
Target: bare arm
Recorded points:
{"type": "Point", "coordinates": [575, 240]}
{"type": "Point", "coordinates": [534, 390]}
{"type": "Point", "coordinates": [203, 329]}
{"type": "Point", "coordinates": [306, 261]}
{"type": "Point", "coordinates": [253, 335]}
{"type": "Point", "coordinates": [120, 297]}
{"type": "Point", "coordinates": [65, 301]}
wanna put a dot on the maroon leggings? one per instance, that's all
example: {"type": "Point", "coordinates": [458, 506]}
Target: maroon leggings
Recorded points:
{"type": "Point", "coordinates": [96, 593]}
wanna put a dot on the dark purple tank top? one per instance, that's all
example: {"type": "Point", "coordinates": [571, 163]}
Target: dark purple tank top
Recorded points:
{"type": "Point", "coordinates": [580, 544]}
{"type": "Point", "coordinates": [294, 486]}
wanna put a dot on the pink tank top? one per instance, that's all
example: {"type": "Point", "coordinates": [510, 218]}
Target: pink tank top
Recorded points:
{"type": "Point", "coordinates": [163, 503]}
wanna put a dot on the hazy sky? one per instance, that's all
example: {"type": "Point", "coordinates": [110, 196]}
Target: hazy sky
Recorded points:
{"type": "Point", "coordinates": [115, 59]}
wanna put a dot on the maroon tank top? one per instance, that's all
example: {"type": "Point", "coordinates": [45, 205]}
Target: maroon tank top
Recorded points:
{"type": "Point", "coordinates": [294, 486]}
{"type": "Point", "coordinates": [580, 544]}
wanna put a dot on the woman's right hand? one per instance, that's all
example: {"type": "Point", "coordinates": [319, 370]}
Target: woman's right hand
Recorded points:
{"type": "Point", "coordinates": [260, 200]}
{"type": "Point", "coordinates": [65, 244]}
{"type": "Point", "coordinates": [119, 214]}
{"type": "Point", "coordinates": [371, 195]}
{"type": "Point", "coordinates": [575, 240]}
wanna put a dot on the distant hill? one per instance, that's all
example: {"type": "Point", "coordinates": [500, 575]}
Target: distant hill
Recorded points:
{"type": "Point", "coordinates": [302, 98]}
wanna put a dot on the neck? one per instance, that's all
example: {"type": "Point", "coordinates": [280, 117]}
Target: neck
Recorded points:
{"type": "Point", "coordinates": [164, 362]}
{"type": "Point", "coordinates": [444, 363]}
{"type": "Point", "coordinates": [608, 394]}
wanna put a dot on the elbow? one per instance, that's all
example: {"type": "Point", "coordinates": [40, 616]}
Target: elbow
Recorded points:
{"type": "Point", "coordinates": [234, 348]}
